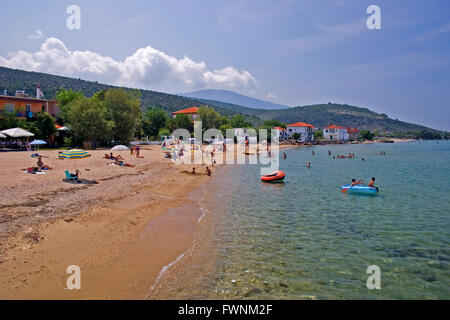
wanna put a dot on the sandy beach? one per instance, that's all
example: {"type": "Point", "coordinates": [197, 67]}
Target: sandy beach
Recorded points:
{"type": "Point", "coordinates": [116, 225]}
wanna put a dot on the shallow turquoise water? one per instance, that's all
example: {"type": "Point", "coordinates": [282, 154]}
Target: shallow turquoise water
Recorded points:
{"type": "Point", "coordinates": [307, 239]}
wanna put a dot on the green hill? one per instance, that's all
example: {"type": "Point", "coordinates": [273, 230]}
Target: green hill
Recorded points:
{"type": "Point", "coordinates": [320, 115]}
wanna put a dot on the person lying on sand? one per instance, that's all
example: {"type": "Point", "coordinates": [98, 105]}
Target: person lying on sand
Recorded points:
{"type": "Point", "coordinates": [122, 164]}
{"type": "Point", "coordinates": [41, 164]}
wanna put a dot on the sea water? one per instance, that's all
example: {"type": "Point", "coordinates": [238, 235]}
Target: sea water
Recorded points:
{"type": "Point", "coordinates": [305, 239]}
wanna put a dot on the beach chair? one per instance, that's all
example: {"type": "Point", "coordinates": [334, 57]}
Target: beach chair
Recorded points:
{"type": "Point", "coordinates": [70, 176]}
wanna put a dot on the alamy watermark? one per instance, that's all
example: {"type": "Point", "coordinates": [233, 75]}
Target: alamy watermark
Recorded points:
{"type": "Point", "coordinates": [74, 280]}
{"type": "Point", "coordinates": [223, 149]}
{"type": "Point", "coordinates": [73, 22]}
{"type": "Point", "coordinates": [374, 20]}
{"type": "Point", "coordinates": [374, 280]}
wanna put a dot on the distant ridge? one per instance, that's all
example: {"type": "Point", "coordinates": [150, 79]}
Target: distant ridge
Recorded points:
{"type": "Point", "coordinates": [233, 98]}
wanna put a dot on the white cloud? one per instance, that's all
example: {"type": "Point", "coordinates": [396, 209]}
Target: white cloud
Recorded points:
{"type": "Point", "coordinates": [147, 68]}
{"type": "Point", "coordinates": [36, 35]}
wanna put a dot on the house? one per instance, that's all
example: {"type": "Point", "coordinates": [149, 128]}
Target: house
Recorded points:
{"type": "Point", "coordinates": [305, 130]}
{"type": "Point", "coordinates": [353, 133]}
{"type": "Point", "coordinates": [192, 112]}
{"type": "Point", "coordinates": [281, 133]}
{"type": "Point", "coordinates": [25, 106]}
{"type": "Point", "coordinates": [336, 133]}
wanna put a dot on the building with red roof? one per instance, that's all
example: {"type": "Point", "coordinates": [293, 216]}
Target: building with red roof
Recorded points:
{"type": "Point", "coordinates": [191, 112]}
{"type": "Point", "coordinates": [336, 133]}
{"type": "Point", "coordinates": [305, 130]}
{"type": "Point", "coordinates": [281, 133]}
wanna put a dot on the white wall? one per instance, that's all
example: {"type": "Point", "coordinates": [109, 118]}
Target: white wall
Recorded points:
{"type": "Point", "coordinates": [335, 134]}
{"type": "Point", "coordinates": [304, 132]}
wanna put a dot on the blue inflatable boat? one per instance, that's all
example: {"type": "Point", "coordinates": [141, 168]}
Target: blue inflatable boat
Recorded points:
{"type": "Point", "coordinates": [359, 189]}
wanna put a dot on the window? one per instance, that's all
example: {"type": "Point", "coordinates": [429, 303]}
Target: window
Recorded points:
{"type": "Point", "coordinates": [43, 108]}
{"type": "Point", "coordinates": [28, 108]}
{"type": "Point", "coordinates": [9, 107]}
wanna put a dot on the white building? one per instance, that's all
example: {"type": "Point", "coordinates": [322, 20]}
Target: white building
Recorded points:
{"type": "Point", "coordinates": [336, 133]}
{"type": "Point", "coordinates": [306, 131]}
{"type": "Point", "coordinates": [281, 133]}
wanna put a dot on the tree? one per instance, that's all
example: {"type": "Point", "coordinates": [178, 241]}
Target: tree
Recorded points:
{"type": "Point", "coordinates": [153, 121]}
{"type": "Point", "coordinates": [88, 120]}
{"type": "Point", "coordinates": [318, 134]}
{"type": "Point", "coordinates": [274, 123]}
{"type": "Point", "coordinates": [238, 121]}
{"type": "Point", "coordinates": [65, 97]}
{"type": "Point", "coordinates": [210, 118]}
{"type": "Point", "coordinates": [124, 110]}
{"type": "Point", "coordinates": [366, 135]}
{"type": "Point", "coordinates": [181, 121]}
{"type": "Point", "coordinates": [163, 132]}
{"type": "Point", "coordinates": [296, 136]}
{"type": "Point", "coordinates": [45, 125]}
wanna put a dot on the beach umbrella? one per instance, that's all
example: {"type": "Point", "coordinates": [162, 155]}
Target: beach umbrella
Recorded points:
{"type": "Point", "coordinates": [120, 147]}
{"type": "Point", "coordinates": [37, 143]}
{"type": "Point", "coordinates": [2, 136]}
{"type": "Point", "coordinates": [74, 154]}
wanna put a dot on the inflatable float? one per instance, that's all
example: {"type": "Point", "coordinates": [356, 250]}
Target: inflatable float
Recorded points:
{"type": "Point", "coordinates": [276, 176]}
{"type": "Point", "coordinates": [359, 189]}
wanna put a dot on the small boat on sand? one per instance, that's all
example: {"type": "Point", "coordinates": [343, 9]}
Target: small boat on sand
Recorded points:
{"type": "Point", "coordinates": [276, 176]}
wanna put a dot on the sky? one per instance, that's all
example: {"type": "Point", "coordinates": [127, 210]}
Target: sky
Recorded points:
{"type": "Point", "coordinates": [292, 52]}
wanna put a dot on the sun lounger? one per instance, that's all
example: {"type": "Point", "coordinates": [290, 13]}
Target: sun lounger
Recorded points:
{"type": "Point", "coordinates": [71, 176]}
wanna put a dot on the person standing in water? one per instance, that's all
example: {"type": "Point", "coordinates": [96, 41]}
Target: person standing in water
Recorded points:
{"type": "Point", "coordinates": [329, 152]}
{"type": "Point", "coordinates": [308, 165]}
{"type": "Point", "coordinates": [284, 155]}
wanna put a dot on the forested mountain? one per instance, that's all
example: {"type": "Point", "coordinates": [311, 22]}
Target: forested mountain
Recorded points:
{"type": "Point", "coordinates": [320, 115]}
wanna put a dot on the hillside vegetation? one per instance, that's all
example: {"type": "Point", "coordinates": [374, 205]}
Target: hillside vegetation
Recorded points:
{"type": "Point", "coordinates": [320, 115]}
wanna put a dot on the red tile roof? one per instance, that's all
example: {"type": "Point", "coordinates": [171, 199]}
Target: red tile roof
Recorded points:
{"type": "Point", "coordinates": [336, 127]}
{"type": "Point", "coordinates": [188, 110]}
{"type": "Point", "coordinates": [300, 124]}
{"type": "Point", "coordinates": [279, 128]}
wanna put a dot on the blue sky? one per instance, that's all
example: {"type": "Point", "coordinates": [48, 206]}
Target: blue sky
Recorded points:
{"type": "Point", "coordinates": [290, 52]}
